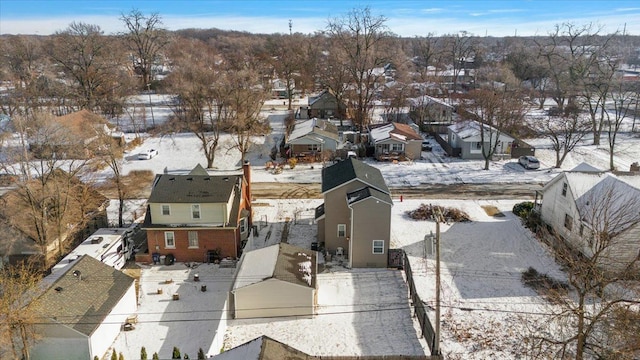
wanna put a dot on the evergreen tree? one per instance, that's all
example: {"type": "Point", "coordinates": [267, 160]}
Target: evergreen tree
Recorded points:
{"type": "Point", "coordinates": [114, 355]}
{"type": "Point", "coordinates": [121, 357]}
{"type": "Point", "coordinates": [143, 353]}
{"type": "Point", "coordinates": [176, 353]}
{"type": "Point", "coordinates": [155, 356]}
{"type": "Point", "coordinates": [201, 354]}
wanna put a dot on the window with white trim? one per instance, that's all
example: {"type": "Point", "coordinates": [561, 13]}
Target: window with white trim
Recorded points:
{"type": "Point", "coordinates": [313, 147]}
{"type": "Point", "coordinates": [195, 211]}
{"type": "Point", "coordinates": [193, 239]}
{"type": "Point", "coordinates": [397, 147]}
{"type": "Point", "coordinates": [342, 230]}
{"type": "Point", "coordinates": [378, 246]}
{"type": "Point", "coordinates": [166, 209]}
{"type": "Point", "coordinates": [169, 240]}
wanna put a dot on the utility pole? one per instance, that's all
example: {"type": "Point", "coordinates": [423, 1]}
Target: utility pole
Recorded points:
{"type": "Point", "coordinates": [437, 216]}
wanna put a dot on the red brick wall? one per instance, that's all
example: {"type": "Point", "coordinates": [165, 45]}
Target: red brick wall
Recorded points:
{"type": "Point", "coordinates": [227, 240]}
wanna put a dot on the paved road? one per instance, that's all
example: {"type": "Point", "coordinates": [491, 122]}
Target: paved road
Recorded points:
{"type": "Point", "coordinates": [425, 191]}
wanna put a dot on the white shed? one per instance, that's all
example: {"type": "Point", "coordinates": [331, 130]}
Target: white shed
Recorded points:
{"type": "Point", "coordinates": [278, 280]}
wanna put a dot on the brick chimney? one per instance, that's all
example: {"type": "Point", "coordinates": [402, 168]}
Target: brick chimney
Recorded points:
{"type": "Point", "coordinates": [634, 167]}
{"type": "Point", "coordinates": [246, 172]}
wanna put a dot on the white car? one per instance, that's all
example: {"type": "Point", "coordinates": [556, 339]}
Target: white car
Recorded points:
{"type": "Point", "coordinates": [148, 154]}
{"type": "Point", "coordinates": [529, 162]}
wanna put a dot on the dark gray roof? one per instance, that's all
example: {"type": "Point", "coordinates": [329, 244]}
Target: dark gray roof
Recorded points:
{"type": "Point", "coordinates": [82, 302]}
{"type": "Point", "coordinates": [263, 348]}
{"type": "Point", "coordinates": [350, 169]}
{"type": "Point", "coordinates": [193, 188]}
{"type": "Point", "coordinates": [288, 265]}
{"type": "Point", "coordinates": [319, 211]}
{"type": "Point", "coordinates": [367, 192]}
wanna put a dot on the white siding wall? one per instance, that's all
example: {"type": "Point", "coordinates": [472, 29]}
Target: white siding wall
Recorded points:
{"type": "Point", "coordinates": [554, 208]}
{"type": "Point", "coordinates": [273, 298]}
{"type": "Point", "coordinates": [106, 333]}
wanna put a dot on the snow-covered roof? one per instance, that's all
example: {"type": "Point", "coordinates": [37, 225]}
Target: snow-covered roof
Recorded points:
{"type": "Point", "coordinates": [470, 128]}
{"type": "Point", "coordinates": [425, 100]}
{"type": "Point", "coordinates": [584, 167]}
{"type": "Point", "coordinates": [396, 131]}
{"type": "Point", "coordinates": [280, 261]}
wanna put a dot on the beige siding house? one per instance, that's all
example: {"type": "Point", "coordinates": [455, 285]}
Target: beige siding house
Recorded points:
{"type": "Point", "coordinates": [278, 280]}
{"type": "Point", "coordinates": [574, 205]}
{"type": "Point", "coordinates": [356, 211]}
{"type": "Point", "coordinates": [396, 141]}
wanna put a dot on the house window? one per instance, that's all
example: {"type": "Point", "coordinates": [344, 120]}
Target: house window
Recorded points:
{"type": "Point", "coordinates": [342, 230]}
{"type": "Point", "coordinates": [193, 239]}
{"type": "Point", "coordinates": [568, 222]}
{"type": "Point", "coordinates": [313, 147]}
{"type": "Point", "coordinates": [195, 211]}
{"type": "Point", "coordinates": [166, 209]}
{"type": "Point", "coordinates": [397, 147]}
{"type": "Point", "coordinates": [477, 145]}
{"type": "Point", "coordinates": [378, 246]}
{"type": "Point", "coordinates": [564, 189]}
{"type": "Point", "coordinates": [243, 225]}
{"type": "Point", "coordinates": [169, 240]}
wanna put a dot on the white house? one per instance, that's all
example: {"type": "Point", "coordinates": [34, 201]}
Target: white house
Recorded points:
{"type": "Point", "coordinates": [595, 211]}
{"type": "Point", "coordinates": [83, 308]}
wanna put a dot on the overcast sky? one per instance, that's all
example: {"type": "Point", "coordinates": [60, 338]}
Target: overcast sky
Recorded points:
{"type": "Point", "coordinates": [404, 17]}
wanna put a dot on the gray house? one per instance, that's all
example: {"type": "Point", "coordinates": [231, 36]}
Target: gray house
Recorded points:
{"type": "Point", "coordinates": [355, 219]}
{"type": "Point", "coordinates": [468, 138]}
{"type": "Point", "coordinates": [323, 106]}
{"type": "Point", "coordinates": [310, 138]}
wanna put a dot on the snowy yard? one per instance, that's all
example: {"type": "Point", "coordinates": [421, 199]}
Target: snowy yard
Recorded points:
{"type": "Point", "coordinates": [486, 310]}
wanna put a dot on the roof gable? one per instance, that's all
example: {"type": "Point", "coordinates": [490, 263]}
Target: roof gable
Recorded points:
{"type": "Point", "coordinates": [350, 169]}
{"type": "Point", "coordinates": [82, 295]}
{"type": "Point", "coordinates": [263, 348]}
{"type": "Point", "coordinates": [394, 131]}
{"type": "Point", "coordinates": [367, 193]}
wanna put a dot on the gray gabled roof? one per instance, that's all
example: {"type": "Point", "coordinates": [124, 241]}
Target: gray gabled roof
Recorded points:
{"type": "Point", "coordinates": [190, 188]}
{"type": "Point", "coordinates": [281, 261]}
{"type": "Point", "coordinates": [368, 192]}
{"type": "Point", "coordinates": [82, 301]}
{"type": "Point", "coordinates": [352, 169]}
{"type": "Point", "coordinates": [263, 348]}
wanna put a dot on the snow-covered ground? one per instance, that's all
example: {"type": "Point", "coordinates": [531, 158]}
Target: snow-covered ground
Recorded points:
{"type": "Point", "coordinates": [486, 311]}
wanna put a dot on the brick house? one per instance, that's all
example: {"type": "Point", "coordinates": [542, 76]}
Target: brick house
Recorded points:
{"type": "Point", "coordinates": [197, 216]}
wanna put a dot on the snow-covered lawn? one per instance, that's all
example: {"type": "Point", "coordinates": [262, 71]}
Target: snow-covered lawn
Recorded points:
{"type": "Point", "coordinates": [485, 307]}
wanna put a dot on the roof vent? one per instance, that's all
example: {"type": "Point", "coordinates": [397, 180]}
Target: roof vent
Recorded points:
{"type": "Point", "coordinates": [172, 179]}
{"type": "Point", "coordinates": [77, 274]}
{"type": "Point", "coordinates": [58, 289]}
{"type": "Point", "coordinates": [97, 240]}
{"type": "Point", "coordinates": [225, 179]}
{"type": "Point", "coordinates": [189, 179]}
{"type": "Point", "coordinates": [207, 179]}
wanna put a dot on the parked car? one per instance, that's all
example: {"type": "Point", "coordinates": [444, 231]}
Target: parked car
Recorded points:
{"type": "Point", "coordinates": [426, 145]}
{"type": "Point", "coordinates": [529, 162]}
{"type": "Point", "coordinates": [147, 154]}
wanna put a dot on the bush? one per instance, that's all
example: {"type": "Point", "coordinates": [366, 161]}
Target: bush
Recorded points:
{"type": "Point", "coordinates": [155, 356]}
{"type": "Point", "coordinates": [143, 353]}
{"type": "Point", "coordinates": [201, 355]}
{"type": "Point", "coordinates": [121, 356]}
{"type": "Point", "coordinates": [425, 212]}
{"type": "Point", "coordinates": [114, 355]}
{"type": "Point", "coordinates": [523, 209]}
{"type": "Point", "coordinates": [292, 162]}
{"type": "Point", "coordinates": [176, 353]}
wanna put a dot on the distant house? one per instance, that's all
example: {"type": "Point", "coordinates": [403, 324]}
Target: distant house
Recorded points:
{"type": "Point", "coordinates": [263, 348]}
{"type": "Point", "coordinates": [355, 219]}
{"type": "Point", "coordinates": [471, 137]}
{"type": "Point", "coordinates": [430, 112]}
{"type": "Point", "coordinates": [323, 106]}
{"type": "Point", "coordinates": [277, 280]}
{"type": "Point", "coordinates": [311, 138]}
{"type": "Point", "coordinates": [396, 141]}
{"type": "Point", "coordinates": [20, 233]}
{"type": "Point", "coordinates": [197, 216]}
{"type": "Point", "coordinates": [82, 310]}
{"type": "Point", "coordinates": [584, 202]}
{"type": "Point", "coordinates": [72, 136]}
{"type": "Point", "coordinates": [279, 89]}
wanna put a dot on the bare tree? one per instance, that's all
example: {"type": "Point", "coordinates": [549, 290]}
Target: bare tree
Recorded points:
{"type": "Point", "coordinates": [146, 39]}
{"type": "Point", "coordinates": [288, 58]}
{"type": "Point", "coordinates": [459, 49]}
{"type": "Point", "coordinates": [565, 132]}
{"type": "Point", "coordinates": [599, 257]}
{"type": "Point", "coordinates": [361, 40]}
{"type": "Point", "coordinates": [621, 98]}
{"type": "Point", "coordinates": [86, 58]}
{"type": "Point", "coordinates": [17, 317]}
{"type": "Point", "coordinates": [493, 111]}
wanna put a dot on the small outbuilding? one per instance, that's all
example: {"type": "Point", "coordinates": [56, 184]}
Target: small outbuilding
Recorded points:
{"type": "Point", "coordinates": [277, 280]}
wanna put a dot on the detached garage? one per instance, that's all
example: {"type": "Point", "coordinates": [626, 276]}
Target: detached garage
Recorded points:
{"type": "Point", "coordinates": [278, 280]}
